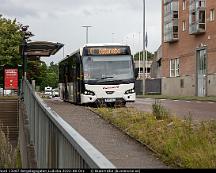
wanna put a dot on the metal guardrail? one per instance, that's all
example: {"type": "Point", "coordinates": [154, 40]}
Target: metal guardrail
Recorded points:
{"type": "Point", "coordinates": [57, 144]}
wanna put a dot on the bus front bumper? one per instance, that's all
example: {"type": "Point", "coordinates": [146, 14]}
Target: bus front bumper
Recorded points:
{"type": "Point", "coordinates": [94, 99]}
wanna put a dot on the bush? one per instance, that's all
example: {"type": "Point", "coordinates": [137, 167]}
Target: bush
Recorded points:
{"type": "Point", "coordinates": [7, 153]}
{"type": "Point", "coordinates": [159, 111]}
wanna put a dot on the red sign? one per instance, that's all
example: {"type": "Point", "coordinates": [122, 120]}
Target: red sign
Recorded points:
{"type": "Point", "coordinates": [11, 79]}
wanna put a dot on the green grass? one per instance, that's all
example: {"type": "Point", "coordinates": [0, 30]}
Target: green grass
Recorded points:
{"type": "Point", "coordinates": [189, 98]}
{"type": "Point", "coordinates": [179, 143]}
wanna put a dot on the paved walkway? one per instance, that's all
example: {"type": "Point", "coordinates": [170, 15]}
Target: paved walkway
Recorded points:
{"type": "Point", "coordinates": [121, 150]}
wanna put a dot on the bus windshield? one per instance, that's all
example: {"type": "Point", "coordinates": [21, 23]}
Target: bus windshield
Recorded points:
{"type": "Point", "coordinates": [102, 69]}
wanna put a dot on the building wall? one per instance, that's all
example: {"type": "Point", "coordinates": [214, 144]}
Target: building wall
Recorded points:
{"type": "Point", "coordinates": [211, 83]}
{"type": "Point", "coordinates": [156, 64]}
{"type": "Point", "coordinates": [181, 86]}
{"type": "Point", "coordinates": [185, 49]}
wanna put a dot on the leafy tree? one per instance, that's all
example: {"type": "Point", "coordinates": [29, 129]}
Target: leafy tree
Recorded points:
{"type": "Point", "coordinates": [45, 76]}
{"type": "Point", "coordinates": [53, 75]}
{"type": "Point", "coordinates": [10, 40]}
{"type": "Point", "coordinates": [11, 37]}
{"type": "Point", "coordinates": [150, 56]}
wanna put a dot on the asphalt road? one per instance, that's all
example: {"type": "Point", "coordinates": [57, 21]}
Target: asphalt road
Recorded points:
{"type": "Point", "coordinates": [197, 110]}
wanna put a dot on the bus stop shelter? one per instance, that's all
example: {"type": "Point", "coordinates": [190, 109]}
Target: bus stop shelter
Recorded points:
{"type": "Point", "coordinates": [41, 49]}
{"type": "Point", "coordinates": [37, 49]}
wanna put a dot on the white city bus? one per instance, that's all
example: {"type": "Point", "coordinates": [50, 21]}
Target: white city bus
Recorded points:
{"type": "Point", "coordinates": [98, 73]}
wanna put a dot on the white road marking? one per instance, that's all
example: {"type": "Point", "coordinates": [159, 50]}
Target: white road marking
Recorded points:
{"type": "Point", "coordinates": [141, 102]}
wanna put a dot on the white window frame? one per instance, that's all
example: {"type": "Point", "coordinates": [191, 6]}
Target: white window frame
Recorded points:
{"type": "Point", "coordinates": [184, 26]}
{"type": "Point", "coordinates": [212, 14]}
{"type": "Point", "coordinates": [184, 5]}
{"type": "Point", "coordinates": [174, 67]}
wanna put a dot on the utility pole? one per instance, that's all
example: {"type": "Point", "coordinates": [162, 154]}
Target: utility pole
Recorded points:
{"type": "Point", "coordinates": [86, 26]}
{"type": "Point", "coordinates": [144, 47]}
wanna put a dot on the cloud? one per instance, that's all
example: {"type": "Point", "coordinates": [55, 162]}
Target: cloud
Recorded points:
{"type": "Point", "coordinates": [9, 8]}
{"type": "Point", "coordinates": [23, 8]}
{"type": "Point", "coordinates": [61, 20]}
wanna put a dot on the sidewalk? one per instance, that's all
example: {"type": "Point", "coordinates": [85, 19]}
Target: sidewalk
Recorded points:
{"type": "Point", "coordinates": [188, 98]}
{"type": "Point", "coordinates": [120, 149]}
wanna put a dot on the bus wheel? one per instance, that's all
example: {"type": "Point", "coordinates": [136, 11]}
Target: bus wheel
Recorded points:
{"type": "Point", "coordinates": [123, 104]}
{"type": "Point", "coordinates": [111, 105]}
{"type": "Point", "coordinates": [120, 104]}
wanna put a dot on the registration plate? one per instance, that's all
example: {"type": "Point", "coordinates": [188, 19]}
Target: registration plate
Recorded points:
{"type": "Point", "coordinates": [110, 100]}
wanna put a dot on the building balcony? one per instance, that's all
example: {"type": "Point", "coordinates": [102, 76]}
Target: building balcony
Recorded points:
{"type": "Point", "coordinates": [171, 31]}
{"type": "Point", "coordinates": [171, 37]}
{"type": "Point", "coordinates": [167, 1]}
{"type": "Point", "coordinates": [197, 18]}
{"type": "Point", "coordinates": [197, 28]}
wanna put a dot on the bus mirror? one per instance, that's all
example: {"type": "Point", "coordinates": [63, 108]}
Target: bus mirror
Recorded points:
{"type": "Point", "coordinates": [136, 72]}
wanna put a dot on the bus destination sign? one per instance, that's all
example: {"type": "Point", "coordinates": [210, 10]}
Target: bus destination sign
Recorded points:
{"type": "Point", "coordinates": [94, 51]}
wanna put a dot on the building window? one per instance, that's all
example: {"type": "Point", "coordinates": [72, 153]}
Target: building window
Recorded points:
{"type": "Point", "coordinates": [212, 15]}
{"type": "Point", "coordinates": [174, 67]}
{"type": "Point", "coordinates": [184, 26]}
{"type": "Point", "coordinates": [184, 5]}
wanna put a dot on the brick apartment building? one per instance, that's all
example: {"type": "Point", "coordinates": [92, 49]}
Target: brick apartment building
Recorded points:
{"type": "Point", "coordinates": [188, 47]}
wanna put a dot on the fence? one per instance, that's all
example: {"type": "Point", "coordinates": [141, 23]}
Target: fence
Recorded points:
{"type": "Point", "coordinates": [56, 143]}
{"type": "Point", "coordinates": [152, 86]}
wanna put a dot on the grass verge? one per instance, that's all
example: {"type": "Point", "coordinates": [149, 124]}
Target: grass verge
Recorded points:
{"type": "Point", "coordinates": [179, 143]}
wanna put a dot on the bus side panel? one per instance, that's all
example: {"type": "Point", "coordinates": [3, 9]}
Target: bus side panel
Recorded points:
{"type": "Point", "coordinates": [72, 79]}
{"type": "Point", "coordinates": [70, 90]}
{"type": "Point", "coordinates": [77, 78]}
{"type": "Point", "coordinates": [61, 90]}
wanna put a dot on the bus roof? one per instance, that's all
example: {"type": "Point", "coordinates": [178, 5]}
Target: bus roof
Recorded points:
{"type": "Point", "coordinates": [92, 45]}
{"type": "Point", "coordinates": [103, 44]}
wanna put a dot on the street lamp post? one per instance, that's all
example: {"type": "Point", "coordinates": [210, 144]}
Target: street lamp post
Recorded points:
{"type": "Point", "coordinates": [144, 47]}
{"type": "Point", "coordinates": [86, 26]}
{"type": "Point", "coordinates": [26, 35]}
{"type": "Point", "coordinates": [113, 37]}
{"type": "Point", "coordinates": [24, 44]}
{"type": "Point", "coordinates": [139, 55]}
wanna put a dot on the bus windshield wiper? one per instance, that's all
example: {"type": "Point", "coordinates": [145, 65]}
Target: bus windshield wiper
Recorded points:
{"type": "Point", "coordinates": [103, 78]}
{"type": "Point", "coordinates": [107, 77]}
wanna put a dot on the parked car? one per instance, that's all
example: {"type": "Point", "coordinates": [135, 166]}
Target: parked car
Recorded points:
{"type": "Point", "coordinates": [55, 92]}
{"type": "Point", "coordinates": [1, 91]}
{"type": "Point", "coordinates": [7, 92]}
{"type": "Point", "coordinates": [48, 91]}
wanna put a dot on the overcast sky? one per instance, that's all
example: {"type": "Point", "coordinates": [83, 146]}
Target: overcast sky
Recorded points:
{"type": "Point", "coordinates": [112, 21]}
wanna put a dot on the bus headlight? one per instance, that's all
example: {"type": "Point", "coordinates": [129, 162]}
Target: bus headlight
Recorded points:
{"type": "Point", "coordinates": [87, 92]}
{"type": "Point", "coordinates": [131, 91]}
